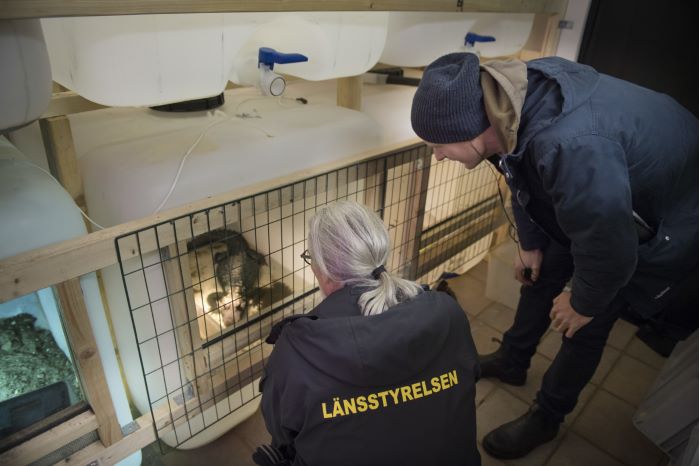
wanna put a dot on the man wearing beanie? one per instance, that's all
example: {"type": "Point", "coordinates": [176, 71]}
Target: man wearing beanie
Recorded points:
{"type": "Point", "coordinates": [604, 183]}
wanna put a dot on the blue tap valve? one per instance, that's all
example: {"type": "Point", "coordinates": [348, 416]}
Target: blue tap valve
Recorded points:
{"type": "Point", "coordinates": [269, 57]}
{"type": "Point", "coordinates": [471, 38]}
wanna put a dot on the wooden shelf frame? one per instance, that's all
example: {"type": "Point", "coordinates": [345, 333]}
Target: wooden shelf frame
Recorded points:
{"type": "Point", "coordinates": [62, 263]}
{"type": "Point", "coordinates": [22, 9]}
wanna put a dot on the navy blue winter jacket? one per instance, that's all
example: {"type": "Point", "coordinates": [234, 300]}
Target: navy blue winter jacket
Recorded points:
{"type": "Point", "coordinates": [392, 389]}
{"type": "Point", "coordinates": [591, 150]}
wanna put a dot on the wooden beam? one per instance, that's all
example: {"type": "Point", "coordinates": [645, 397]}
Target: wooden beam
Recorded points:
{"type": "Point", "coordinates": [87, 359]}
{"type": "Point", "coordinates": [99, 454]}
{"type": "Point", "coordinates": [56, 87]}
{"type": "Point", "coordinates": [544, 37]}
{"type": "Point", "coordinates": [415, 211]}
{"type": "Point", "coordinates": [374, 185]}
{"type": "Point", "coordinates": [51, 440]}
{"type": "Point", "coordinates": [68, 103]}
{"type": "Point", "coordinates": [17, 9]}
{"type": "Point", "coordinates": [37, 269]}
{"type": "Point", "coordinates": [551, 37]}
{"type": "Point", "coordinates": [60, 153]}
{"type": "Point", "coordinates": [43, 425]}
{"type": "Point", "coordinates": [350, 92]}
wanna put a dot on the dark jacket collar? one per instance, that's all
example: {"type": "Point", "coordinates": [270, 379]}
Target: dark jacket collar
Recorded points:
{"type": "Point", "coordinates": [340, 303]}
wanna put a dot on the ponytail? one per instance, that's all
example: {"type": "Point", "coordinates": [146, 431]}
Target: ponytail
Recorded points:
{"type": "Point", "coordinates": [387, 291]}
{"type": "Point", "coordinates": [350, 245]}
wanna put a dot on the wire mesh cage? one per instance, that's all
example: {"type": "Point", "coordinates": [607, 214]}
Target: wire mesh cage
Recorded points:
{"type": "Point", "coordinates": [205, 289]}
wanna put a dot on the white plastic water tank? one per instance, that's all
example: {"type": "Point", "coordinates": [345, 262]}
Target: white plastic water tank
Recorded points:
{"type": "Point", "coordinates": [25, 73]}
{"type": "Point", "coordinates": [511, 31]}
{"type": "Point", "coordinates": [148, 60]}
{"type": "Point", "coordinates": [416, 39]}
{"type": "Point", "coordinates": [145, 60]}
{"type": "Point", "coordinates": [129, 158]}
{"type": "Point", "coordinates": [37, 211]}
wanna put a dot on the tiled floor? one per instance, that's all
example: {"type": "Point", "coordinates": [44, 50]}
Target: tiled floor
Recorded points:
{"type": "Point", "coordinates": [599, 432]}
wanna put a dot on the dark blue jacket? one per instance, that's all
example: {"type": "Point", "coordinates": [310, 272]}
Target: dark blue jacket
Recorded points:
{"type": "Point", "coordinates": [591, 150]}
{"type": "Point", "coordinates": [395, 388]}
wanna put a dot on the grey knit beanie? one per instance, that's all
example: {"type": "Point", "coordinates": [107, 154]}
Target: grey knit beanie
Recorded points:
{"type": "Point", "coordinates": [449, 104]}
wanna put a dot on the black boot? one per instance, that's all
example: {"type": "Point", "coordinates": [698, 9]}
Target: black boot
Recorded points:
{"type": "Point", "coordinates": [517, 438]}
{"type": "Point", "coordinates": [498, 366]}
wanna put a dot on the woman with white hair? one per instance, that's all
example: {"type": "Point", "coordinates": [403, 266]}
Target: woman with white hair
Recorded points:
{"type": "Point", "coordinates": [380, 372]}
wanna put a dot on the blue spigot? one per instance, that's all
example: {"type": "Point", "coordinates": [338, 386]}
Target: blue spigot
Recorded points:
{"type": "Point", "coordinates": [269, 57]}
{"type": "Point", "coordinates": [471, 38]}
{"type": "Point", "coordinates": [272, 83]}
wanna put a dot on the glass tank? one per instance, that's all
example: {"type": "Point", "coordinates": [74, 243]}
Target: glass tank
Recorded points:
{"type": "Point", "coordinates": [37, 375]}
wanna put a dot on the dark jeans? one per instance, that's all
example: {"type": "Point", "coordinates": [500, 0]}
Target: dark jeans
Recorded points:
{"type": "Point", "coordinates": [579, 356]}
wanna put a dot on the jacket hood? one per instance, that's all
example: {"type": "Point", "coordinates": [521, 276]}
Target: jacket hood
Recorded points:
{"type": "Point", "coordinates": [504, 84]}
{"type": "Point", "coordinates": [376, 350]}
{"type": "Point", "coordinates": [576, 81]}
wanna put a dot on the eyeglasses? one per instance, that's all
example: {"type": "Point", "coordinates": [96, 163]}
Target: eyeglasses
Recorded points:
{"type": "Point", "coordinates": [306, 256]}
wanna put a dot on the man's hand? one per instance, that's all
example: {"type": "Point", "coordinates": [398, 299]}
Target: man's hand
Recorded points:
{"type": "Point", "coordinates": [528, 260]}
{"type": "Point", "coordinates": [564, 317]}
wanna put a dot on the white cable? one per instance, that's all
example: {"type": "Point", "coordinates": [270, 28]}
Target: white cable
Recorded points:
{"type": "Point", "coordinates": [235, 110]}
{"type": "Point", "coordinates": [62, 187]}
{"type": "Point", "coordinates": [203, 133]}
{"type": "Point", "coordinates": [184, 158]}
{"type": "Point", "coordinates": [279, 101]}
{"type": "Point", "coordinates": [258, 128]}
{"type": "Point", "coordinates": [182, 161]}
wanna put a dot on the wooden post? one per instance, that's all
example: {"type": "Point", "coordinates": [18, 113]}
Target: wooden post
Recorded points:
{"type": "Point", "coordinates": [68, 103]}
{"type": "Point", "coordinates": [56, 87]}
{"type": "Point", "coordinates": [551, 35]}
{"type": "Point", "coordinates": [374, 185]}
{"type": "Point", "coordinates": [193, 361]}
{"type": "Point", "coordinates": [544, 38]}
{"type": "Point", "coordinates": [350, 92]}
{"type": "Point", "coordinates": [60, 152]}
{"type": "Point", "coordinates": [416, 211]}
{"type": "Point", "coordinates": [87, 359]}
{"type": "Point", "coordinates": [16, 9]}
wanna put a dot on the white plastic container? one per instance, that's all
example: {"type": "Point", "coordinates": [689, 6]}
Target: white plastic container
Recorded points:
{"type": "Point", "coordinates": [416, 39]}
{"type": "Point", "coordinates": [25, 73]}
{"type": "Point", "coordinates": [148, 60]}
{"type": "Point", "coordinates": [511, 31]}
{"type": "Point", "coordinates": [145, 60]}
{"type": "Point", "coordinates": [37, 211]}
{"type": "Point", "coordinates": [129, 158]}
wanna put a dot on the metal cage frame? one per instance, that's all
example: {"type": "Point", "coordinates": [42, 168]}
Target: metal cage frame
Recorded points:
{"type": "Point", "coordinates": [439, 217]}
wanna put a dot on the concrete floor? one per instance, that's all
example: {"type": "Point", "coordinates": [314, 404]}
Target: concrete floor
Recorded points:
{"type": "Point", "coordinates": [599, 432]}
